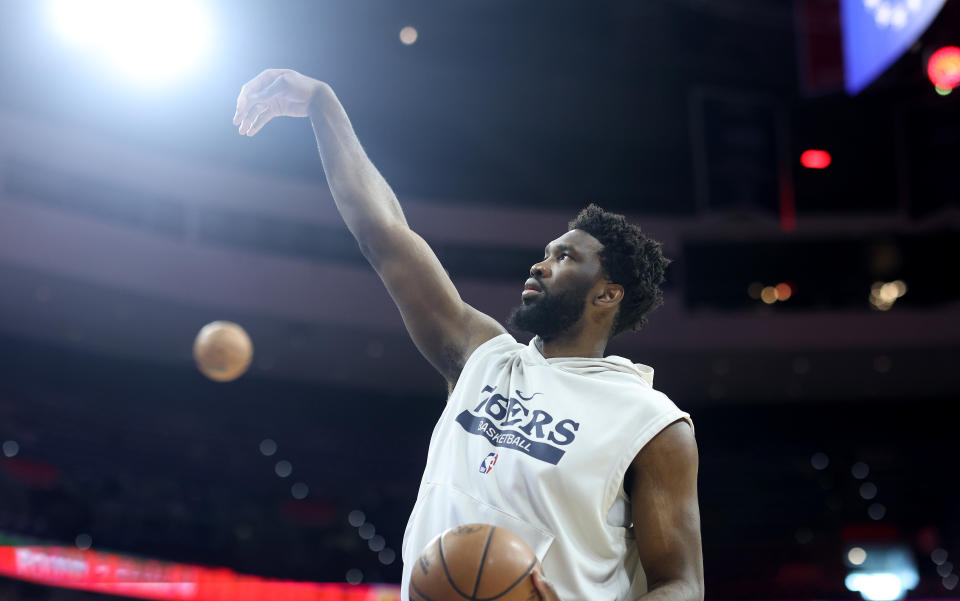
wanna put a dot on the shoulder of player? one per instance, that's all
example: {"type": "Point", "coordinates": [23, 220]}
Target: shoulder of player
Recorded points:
{"type": "Point", "coordinates": [674, 447]}
{"type": "Point", "coordinates": [491, 343]}
{"type": "Point", "coordinates": [654, 395]}
{"type": "Point", "coordinates": [671, 451]}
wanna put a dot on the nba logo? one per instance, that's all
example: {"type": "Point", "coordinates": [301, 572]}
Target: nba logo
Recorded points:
{"type": "Point", "coordinates": [488, 462]}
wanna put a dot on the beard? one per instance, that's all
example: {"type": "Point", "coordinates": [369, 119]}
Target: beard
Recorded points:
{"type": "Point", "coordinates": [551, 314]}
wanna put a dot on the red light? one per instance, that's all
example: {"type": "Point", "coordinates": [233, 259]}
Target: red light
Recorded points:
{"type": "Point", "coordinates": [943, 68]}
{"type": "Point", "coordinates": [815, 159]}
{"type": "Point", "coordinates": [113, 574]}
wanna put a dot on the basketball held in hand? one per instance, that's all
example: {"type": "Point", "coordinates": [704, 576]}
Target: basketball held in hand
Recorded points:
{"type": "Point", "coordinates": [475, 562]}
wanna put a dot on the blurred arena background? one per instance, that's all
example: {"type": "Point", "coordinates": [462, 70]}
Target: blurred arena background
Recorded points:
{"type": "Point", "coordinates": [812, 317]}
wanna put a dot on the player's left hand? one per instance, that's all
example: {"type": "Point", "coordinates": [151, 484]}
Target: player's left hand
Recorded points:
{"type": "Point", "coordinates": [546, 590]}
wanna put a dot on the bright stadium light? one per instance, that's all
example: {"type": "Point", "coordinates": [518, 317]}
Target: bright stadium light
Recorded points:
{"type": "Point", "coordinates": [881, 572]}
{"type": "Point", "coordinates": [876, 586]}
{"type": "Point", "coordinates": [148, 40]}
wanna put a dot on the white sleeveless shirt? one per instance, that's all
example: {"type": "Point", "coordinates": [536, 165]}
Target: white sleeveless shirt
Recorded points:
{"type": "Point", "coordinates": [540, 446]}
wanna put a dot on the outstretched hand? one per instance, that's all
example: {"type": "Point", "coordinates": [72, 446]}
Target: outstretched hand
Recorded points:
{"type": "Point", "coordinates": [273, 93]}
{"type": "Point", "coordinates": [546, 590]}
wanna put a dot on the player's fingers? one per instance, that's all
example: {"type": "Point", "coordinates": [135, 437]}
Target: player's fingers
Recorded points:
{"type": "Point", "coordinates": [268, 101]}
{"type": "Point", "coordinates": [251, 88]}
{"type": "Point", "coordinates": [261, 120]}
{"type": "Point", "coordinates": [270, 97]}
{"type": "Point", "coordinates": [546, 590]}
{"type": "Point", "coordinates": [252, 113]}
{"type": "Point", "coordinates": [245, 101]}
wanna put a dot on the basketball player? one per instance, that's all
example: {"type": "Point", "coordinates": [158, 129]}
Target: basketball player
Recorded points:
{"type": "Point", "coordinates": [574, 452]}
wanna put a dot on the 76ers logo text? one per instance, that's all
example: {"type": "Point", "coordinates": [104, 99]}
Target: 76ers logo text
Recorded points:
{"type": "Point", "coordinates": [537, 433]}
{"type": "Point", "coordinates": [486, 466]}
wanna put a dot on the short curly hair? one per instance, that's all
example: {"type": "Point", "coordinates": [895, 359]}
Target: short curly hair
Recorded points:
{"type": "Point", "coordinates": [629, 258]}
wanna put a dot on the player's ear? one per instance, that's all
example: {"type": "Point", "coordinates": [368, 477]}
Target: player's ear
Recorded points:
{"type": "Point", "coordinates": [610, 295]}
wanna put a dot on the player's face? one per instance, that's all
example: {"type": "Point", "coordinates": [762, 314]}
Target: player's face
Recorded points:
{"type": "Point", "coordinates": [556, 295]}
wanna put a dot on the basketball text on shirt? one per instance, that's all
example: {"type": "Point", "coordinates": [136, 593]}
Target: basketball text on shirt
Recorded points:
{"type": "Point", "coordinates": [534, 432]}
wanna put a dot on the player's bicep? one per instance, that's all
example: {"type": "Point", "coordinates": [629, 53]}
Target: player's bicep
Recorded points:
{"type": "Point", "coordinates": [444, 328]}
{"type": "Point", "coordinates": [666, 512]}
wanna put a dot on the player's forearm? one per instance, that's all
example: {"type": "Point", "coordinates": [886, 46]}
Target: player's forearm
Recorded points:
{"type": "Point", "coordinates": [362, 195]}
{"type": "Point", "coordinates": [675, 590]}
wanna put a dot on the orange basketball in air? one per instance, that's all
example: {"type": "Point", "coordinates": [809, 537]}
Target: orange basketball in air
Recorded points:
{"type": "Point", "coordinates": [223, 351]}
{"type": "Point", "coordinates": [475, 561]}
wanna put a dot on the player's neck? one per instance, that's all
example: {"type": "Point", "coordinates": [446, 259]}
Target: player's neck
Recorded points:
{"type": "Point", "coordinates": [577, 346]}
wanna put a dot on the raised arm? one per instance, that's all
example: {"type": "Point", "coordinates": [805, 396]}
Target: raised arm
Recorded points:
{"type": "Point", "coordinates": [444, 328]}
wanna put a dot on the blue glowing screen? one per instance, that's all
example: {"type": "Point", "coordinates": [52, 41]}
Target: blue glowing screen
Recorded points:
{"type": "Point", "coordinates": [877, 32]}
